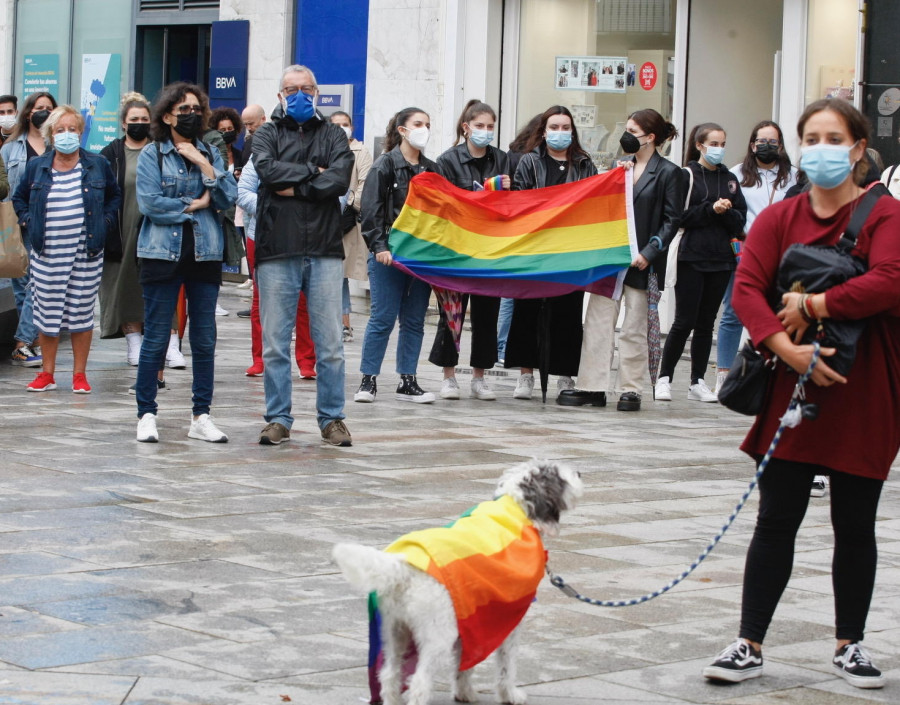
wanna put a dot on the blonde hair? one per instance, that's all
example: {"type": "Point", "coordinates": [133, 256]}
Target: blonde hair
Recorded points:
{"type": "Point", "coordinates": [55, 116]}
{"type": "Point", "coordinates": [132, 100]}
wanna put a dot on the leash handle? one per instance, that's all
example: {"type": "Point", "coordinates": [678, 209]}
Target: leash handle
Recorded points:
{"type": "Point", "coordinates": [796, 399]}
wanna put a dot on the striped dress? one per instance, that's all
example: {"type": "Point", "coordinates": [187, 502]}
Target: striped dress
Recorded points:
{"type": "Point", "coordinates": [65, 279]}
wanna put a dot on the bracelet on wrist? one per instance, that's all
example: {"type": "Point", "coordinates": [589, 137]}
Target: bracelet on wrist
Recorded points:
{"type": "Point", "coordinates": [809, 308]}
{"type": "Point", "coordinates": [801, 307]}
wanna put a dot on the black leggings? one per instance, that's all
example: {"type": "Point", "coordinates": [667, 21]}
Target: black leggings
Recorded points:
{"type": "Point", "coordinates": [483, 316]}
{"type": "Point", "coordinates": [698, 296]}
{"type": "Point", "coordinates": [783, 498]}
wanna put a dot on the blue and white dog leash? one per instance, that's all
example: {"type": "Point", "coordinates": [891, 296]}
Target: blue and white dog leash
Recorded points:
{"type": "Point", "coordinates": [792, 417]}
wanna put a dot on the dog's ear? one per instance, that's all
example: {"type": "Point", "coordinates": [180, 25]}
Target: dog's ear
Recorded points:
{"type": "Point", "coordinates": [544, 490]}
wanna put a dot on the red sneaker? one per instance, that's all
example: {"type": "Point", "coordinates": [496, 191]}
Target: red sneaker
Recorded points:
{"type": "Point", "coordinates": [44, 382]}
{"type": "Point", "coordinates": [255, 370]}
{"type": "Point", "coordinates": [307, 374]}
{"type": "Point", "coordinates": [80, 384]}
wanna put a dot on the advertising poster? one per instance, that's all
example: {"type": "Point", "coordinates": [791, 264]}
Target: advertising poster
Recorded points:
{"type": "Point", "coordinates": [41, 73]}
{"type": "Point", "coordinates": [100, 78]}
{"type": "Point", "coordinates": [605, 74]}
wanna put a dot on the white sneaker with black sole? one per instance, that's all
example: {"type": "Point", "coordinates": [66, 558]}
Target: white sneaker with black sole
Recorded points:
{"type": "Point", "coordinates": [853, 663]}
{"type": "Point", "coordinates": [739, 662]}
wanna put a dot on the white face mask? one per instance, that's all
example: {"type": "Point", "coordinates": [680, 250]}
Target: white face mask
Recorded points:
{"type": "Point", "coordinates": [347, 131]}
{"type": "Point", "coordinates": [418, 138]}
{"type": "Point", "coordinates": [7, 122]}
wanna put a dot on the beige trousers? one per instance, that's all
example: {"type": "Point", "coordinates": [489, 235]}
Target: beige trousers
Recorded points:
{"type": "Point", "coordinates": [598, 344]}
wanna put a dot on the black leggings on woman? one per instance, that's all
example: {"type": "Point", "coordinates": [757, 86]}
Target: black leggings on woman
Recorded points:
{"type": "Point", "coordinates": [783, 498]}
{"type": "Point", "coordinates": [698, 296]}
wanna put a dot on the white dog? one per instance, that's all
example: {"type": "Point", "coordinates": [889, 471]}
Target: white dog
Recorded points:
{"type": "Point", "coordinates": [459, 592]}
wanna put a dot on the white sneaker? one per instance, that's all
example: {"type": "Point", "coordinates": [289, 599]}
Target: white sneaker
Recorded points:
{"type": "Point", "coordinates": [563, 383]}
{"type": "Point", "coordinates": [174, 358]}
{"type": "Point", "coordinates": [720, 380]}
{"type": "Point", "coordinates": [246, 284]}
{"type": "Point", "coordinates": [134, 348]}
{"type": "Point", "coordinates": [220, 311]}
{"type": "Point", "coordinates": [204, 429]}
{"type": "Point", "coordinates": [663, 390]}
{"type": "Point", "coordinates": [524, 387]}
{"type": "Point", "coordinates": [481, 390]}
{"type": "Point", "coordinates": [700, 392]}
{"type": "Point", "coordinates": [146, 430]}
{"type": "Point", "coordinates": [449, 388]}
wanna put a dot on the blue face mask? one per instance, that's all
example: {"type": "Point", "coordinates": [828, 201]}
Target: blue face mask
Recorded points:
{"type": "Point", "coordinates": [558, 139]}
{"type": "Point", "coordinates": [300, 106]}
{"type": "Point", "coordinates": [826, 165]}
{"type": "Point", "coordinates": [481, 138]}
{"type": "Point", "coordinates": [714, 155]}
{"type": "Point", "coordinates": [66, 142]}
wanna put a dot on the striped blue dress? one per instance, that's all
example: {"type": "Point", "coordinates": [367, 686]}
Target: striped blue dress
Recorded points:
{"type": "Point", "coordinates": [65, 279]}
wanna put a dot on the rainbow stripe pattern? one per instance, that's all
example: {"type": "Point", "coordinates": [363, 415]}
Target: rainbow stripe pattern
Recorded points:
{"type": "Point", "coordinates": [490, 560]}
{"type": "Point", "coordinates": [519, 244]}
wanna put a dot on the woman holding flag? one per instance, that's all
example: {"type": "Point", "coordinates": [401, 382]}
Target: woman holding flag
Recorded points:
{"type": "Point", "coordinates": [555, 157]}
{"type": "Point", "coordinates": [473, 165]}
{"type": "Point", "coordinates": [395, 294]}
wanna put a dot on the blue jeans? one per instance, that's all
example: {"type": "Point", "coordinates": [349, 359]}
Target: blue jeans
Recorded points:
{"type": "Point", "coordinates": [345, 297]}
{"type": "Point", "coordinates": [26, 331]}
{"type": "Point", "coordinates": [280, 282]}
{"type": "Point", "coordinates": [506, 309]}
{"type": "Point", "coordinates": [395, 295]}
{"type": "Point", "coordinates": [730, 331]}
{"type": "Point", "coordinates": [160, 300]}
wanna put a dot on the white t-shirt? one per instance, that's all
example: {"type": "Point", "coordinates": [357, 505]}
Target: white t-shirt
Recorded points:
{"type": "Point", "coordinates": [758, 197]}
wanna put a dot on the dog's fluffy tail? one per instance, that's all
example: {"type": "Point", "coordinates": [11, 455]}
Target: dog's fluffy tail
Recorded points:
{"type": "Point", "coordinates": [369, 569]}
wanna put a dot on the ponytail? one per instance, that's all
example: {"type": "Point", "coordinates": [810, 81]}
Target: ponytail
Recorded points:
{"type": "Point", "coordinates": [472, 109]}
{"type": "Point", "coordinates": [391, 135]}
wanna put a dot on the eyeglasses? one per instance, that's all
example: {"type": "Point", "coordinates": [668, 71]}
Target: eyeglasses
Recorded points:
{"type": "Point", "coordinates": [186, 109]}
{"type": "Point", "coordinates": [291, 90]}
{"type": "Point", "coordinates": [763, 143]}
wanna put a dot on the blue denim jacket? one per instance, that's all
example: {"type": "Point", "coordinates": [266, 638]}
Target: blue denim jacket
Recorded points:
{"type": "Point", "coordinates": [163, 194]}
{"type": "Point", "coordinates": [15, 156]}
{"type": "Point", "coordinates": [100, 191]}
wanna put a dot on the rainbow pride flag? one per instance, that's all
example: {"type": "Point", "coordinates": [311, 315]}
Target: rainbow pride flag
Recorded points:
{"type": "Point", "coordinates": [490, 560]}
{"type": "Point", "coordinates": [518, 244]}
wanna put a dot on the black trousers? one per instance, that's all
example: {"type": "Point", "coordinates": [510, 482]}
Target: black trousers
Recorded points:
{"type": "Point", "coordinates": [483, 316]}
{"type": "Point", "coordinates": [698, 296]}
{"type": "Point", "coordinates": [783, 498]}
{"type": "Point", "coordinates": [522, 345]}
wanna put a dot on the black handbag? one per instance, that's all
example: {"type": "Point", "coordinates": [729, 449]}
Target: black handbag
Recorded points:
{"type": "Point", "coordinates": [813, 269]}
{"type": "Point", "coordinates": [747, 383]}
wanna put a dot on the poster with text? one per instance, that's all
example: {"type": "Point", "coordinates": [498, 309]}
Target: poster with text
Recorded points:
{"type": "Point", "coordinates": [604, 74]}
{"type": "Point", "coordinates": [40, 73]}
{"type": "Point", "coordinates": [100, 77]}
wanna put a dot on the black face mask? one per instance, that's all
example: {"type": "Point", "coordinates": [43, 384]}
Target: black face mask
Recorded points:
{"type": "Point", "coordinates": [138, 131]}
{"type": "Point", "coordinates": [39, 117]}
{"type": "Point", "coordinates": [188, 126]}
{"type": "Point", "coordinates": [767, 153]}
{"type": "Point", "coordinates": [229, 136]}
{"type": "Point", "coordinates": [630, 144]}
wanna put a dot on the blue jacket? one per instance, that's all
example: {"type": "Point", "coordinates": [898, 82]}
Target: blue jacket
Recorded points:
{"type": "Point", "coordinates": [165, 187]}
{"type": "Point", "coordinates": [15, 156]}
{"type": "Point", "coordinates": [101, 199]}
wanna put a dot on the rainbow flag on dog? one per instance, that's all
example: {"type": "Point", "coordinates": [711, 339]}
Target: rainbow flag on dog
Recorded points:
{"type": "Point", "coordinates": [518, 244]}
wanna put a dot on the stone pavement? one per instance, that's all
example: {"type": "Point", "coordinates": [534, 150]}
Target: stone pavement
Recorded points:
{"type": "Point", "coordinates": [187, 573]}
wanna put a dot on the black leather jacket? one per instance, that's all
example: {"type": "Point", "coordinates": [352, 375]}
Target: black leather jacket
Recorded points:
{"type": "Point", "coordinates": [532, 172]}
{"type": "Point", "coordinates": [457, 166]}
{"type": "Point", "coordinates": [288, 155]}
{"type": "Point", "coordinates": [386, 187]}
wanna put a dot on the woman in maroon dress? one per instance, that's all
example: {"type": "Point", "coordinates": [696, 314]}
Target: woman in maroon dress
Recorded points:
{"type": "Point", "coordinates": [857, 434]}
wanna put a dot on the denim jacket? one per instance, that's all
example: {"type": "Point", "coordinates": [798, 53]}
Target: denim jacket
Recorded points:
{"type": "Point", "coordinates": [15, 156]}
{"type": "Point", "coordinates": [101, 197]}
{"type": "Point", "coordinates": [165, 188]}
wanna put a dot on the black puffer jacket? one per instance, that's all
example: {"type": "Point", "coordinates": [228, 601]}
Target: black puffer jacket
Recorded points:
{"type": "Point", "coordinates": [288, 155]}
{"type": "Point", "coordinates": [532, 171]}
{"type": "Point", "coordinates": [458, 166]}
{"type": "Point", "coordinates": [385, 193]}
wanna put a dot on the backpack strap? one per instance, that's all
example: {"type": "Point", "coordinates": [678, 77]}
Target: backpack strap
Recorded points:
{"type": "Point", "coordinates": [860, 215]}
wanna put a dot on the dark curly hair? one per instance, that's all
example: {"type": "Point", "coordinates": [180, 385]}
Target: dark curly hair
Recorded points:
{"type": "Point", "coordinates": [169, 97]}
{"type": "Point", "coordinates": [220, 114]}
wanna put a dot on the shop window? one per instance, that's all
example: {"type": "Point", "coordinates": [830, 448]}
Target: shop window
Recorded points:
{"type": "Point", "coordinates": [832, 37]}
{"type": "Point", "coordinates": [177, 5]}
{"type": "Point", "coordinates": [602, 59]}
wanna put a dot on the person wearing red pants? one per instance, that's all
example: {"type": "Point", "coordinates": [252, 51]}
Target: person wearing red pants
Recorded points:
{"type": "Point", "coordinates": [304, 350]}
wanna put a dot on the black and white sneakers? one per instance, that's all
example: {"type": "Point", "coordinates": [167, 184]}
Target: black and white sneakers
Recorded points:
{"type": "Point", "coordinates": [739, 662]}
{"type": "Point", "coordinates": [853, 663]}
{"type": "Point", "coordinates": [409, 390]}
{"type": "Point", "coordinates": [368, 388]}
